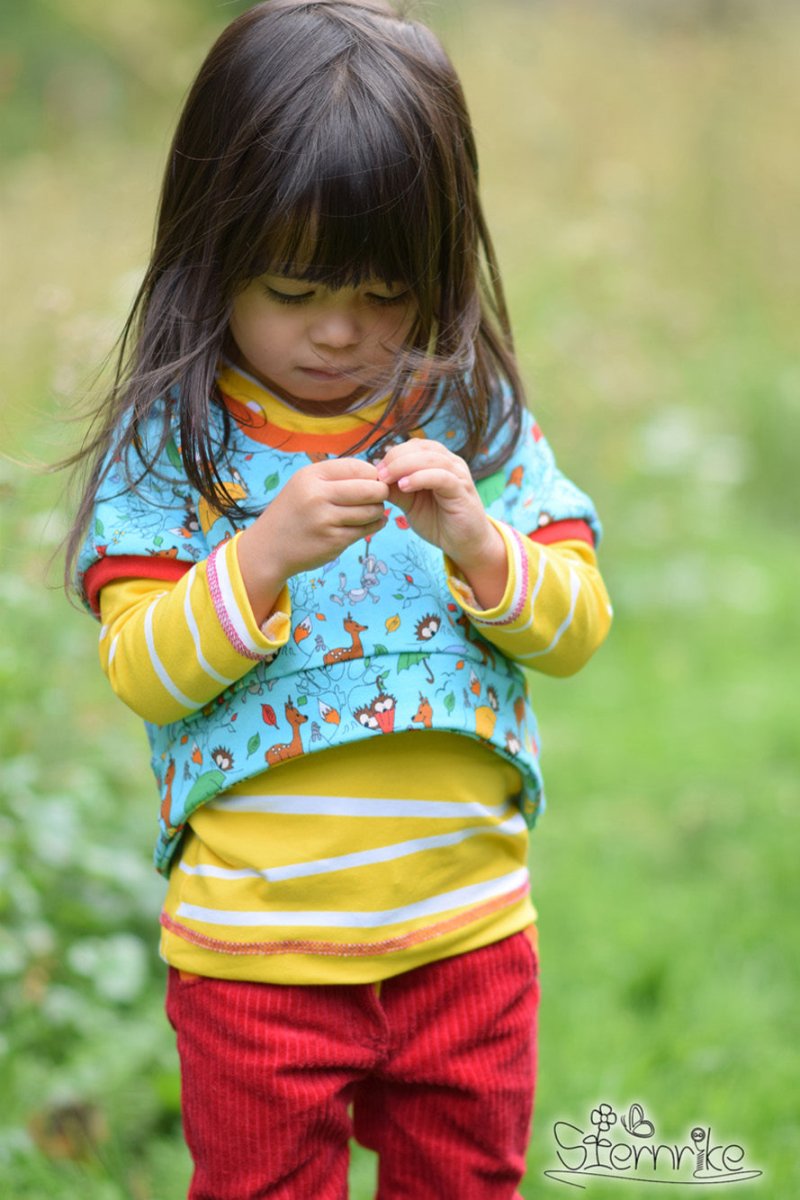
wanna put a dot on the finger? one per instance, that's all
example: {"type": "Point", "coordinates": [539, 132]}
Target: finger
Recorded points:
{"type": "Point", "coordinates": [415, 443]}
{"type": "Point", "coordinates": [432, 479]}
{"type": "Point", "coordinates": [413, 447]}
{"type": "Point", "coordinates": [375, 527]}
{"type": "Point", "coordinates": [414, 457]}
{"type": "Point", "coordinates": [366, 514]}
{"type": "Point", "coordinates": [344, 468]}
{"type": "Point", "coordinates": [356, 491]}
{"type": "Point", "coordinates": [400, 500]}
{"type": "Point", "coordinates": [350, 534]}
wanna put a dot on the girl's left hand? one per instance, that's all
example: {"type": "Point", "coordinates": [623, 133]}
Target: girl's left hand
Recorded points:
{"type": "Point", "coordinates": [437, 493]}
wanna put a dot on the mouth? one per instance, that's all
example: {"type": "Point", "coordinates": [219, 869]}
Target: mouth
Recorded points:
{"type": "Point", "coordinates": [329, 374]}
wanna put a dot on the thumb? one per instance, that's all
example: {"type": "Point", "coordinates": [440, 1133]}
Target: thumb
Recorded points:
{"type": "Point", "coordinates": [403, 500]}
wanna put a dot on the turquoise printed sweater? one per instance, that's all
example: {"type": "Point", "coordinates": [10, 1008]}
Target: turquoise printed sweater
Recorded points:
{"type": "Point", "coordinates": [347, 651]}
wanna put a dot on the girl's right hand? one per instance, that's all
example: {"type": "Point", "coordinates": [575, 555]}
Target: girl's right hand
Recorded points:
{"type": "Point", "coordinates": [322, 510]}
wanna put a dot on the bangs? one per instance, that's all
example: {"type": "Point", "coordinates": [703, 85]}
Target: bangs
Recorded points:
{"type": "Point", "coordinates": [353, 197]}
{"type": "Point", "coordinates": [317, 244]}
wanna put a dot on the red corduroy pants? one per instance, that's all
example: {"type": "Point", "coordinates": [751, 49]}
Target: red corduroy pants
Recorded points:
{"type": "Point", "coordinates": [434, 1070]}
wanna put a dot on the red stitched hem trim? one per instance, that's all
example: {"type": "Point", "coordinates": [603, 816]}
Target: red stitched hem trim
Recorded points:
{"type": "Point", "coordinates": [344, 949]}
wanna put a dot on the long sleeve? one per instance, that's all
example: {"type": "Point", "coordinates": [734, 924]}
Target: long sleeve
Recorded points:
{"type": "Point", "coordinates": [169, 648]}
{"type": "Point", "coordinates": [555, 611]}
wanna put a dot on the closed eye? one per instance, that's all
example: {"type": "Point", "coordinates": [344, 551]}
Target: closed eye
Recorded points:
{"type": "Point", "coordinates": [287, 297]}
{"type": "Point", "coordinates": [377, 298]}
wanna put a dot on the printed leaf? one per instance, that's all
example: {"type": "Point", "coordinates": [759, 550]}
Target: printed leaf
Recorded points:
{"type": "Point", "coordinates": [302, 630]}
{"type": "Point", "coordinates": [328, 712]}
{"type": "Point", "coordinates": [172, 453]}
{"type": "Point", "coordinates": [379, 649]}
{"type": "Point", "coordinates": [253, 744]}
{"type": "Point", "coordinates": [158, 540]}
{"type": "Point", "coordinates": [450, 701]}
{"type": "Point", "coordinates": [271, 482]}
{"type": "Point", "coordinates": [99, 528]}
{"type": "Point", "coordinates": [301, 700]}
{"type": "Point", "coordinates": [491, 488]}
{"type": "Point", "coordinates": [397, 596]}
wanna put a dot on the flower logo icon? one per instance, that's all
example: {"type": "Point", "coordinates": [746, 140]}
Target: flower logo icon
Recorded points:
{"type": "Point", "coordinates": [603, 1117]}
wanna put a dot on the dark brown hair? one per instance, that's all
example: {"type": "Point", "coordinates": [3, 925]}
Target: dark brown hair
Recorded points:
{"type": "Point", "coordinates": [333, 122]}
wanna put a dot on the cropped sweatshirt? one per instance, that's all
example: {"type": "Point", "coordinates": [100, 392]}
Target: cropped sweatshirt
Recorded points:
{"type": "Point", "coordinates": [352, 648]}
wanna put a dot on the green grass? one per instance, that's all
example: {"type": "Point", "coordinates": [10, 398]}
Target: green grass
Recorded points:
{"type": "Point", "coordinates": [639, 175]}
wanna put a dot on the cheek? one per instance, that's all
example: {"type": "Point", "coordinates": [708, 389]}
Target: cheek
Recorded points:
{"type": "Point", "coordinates": [396, 327]}
{"type": "Point", "coordinates": [252, 330]}
{"type": "Point", "coordinates": [241, 323]}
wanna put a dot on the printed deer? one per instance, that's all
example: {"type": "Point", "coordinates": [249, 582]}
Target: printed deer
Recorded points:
{"type": "Point", "coordinates": [355, 650]}
{"type": "Point", "coordinates": [283, 750]}
{"type": "Point", "coordinates": [424, 714]}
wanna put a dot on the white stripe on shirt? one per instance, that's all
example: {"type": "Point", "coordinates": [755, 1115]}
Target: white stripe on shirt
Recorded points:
{"type": "Point", "coordinates": [158, 666]}
{"type": "Point", "coordinates": [361, 858]}
{"type": "Point", "coordinates": [195, 632]}
{"type": "Point", "coordinates": [575, 587]}
{"type": "Point", "coordinates": [475, 893]}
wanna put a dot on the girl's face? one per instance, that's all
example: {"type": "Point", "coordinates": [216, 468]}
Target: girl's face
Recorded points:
{"type": "Point", "coordinates": [311, 344]}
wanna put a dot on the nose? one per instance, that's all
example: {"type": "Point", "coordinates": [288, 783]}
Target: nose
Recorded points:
{"type": "Point", "coordinates": [336, 329]}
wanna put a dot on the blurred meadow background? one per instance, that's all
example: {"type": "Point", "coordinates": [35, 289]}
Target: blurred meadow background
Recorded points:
{"type": "Point", "coordinates": [640, 171]}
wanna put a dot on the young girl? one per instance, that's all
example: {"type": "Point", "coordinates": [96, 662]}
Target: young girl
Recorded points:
{"type": "Point", "coordinates": [323, 536]}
